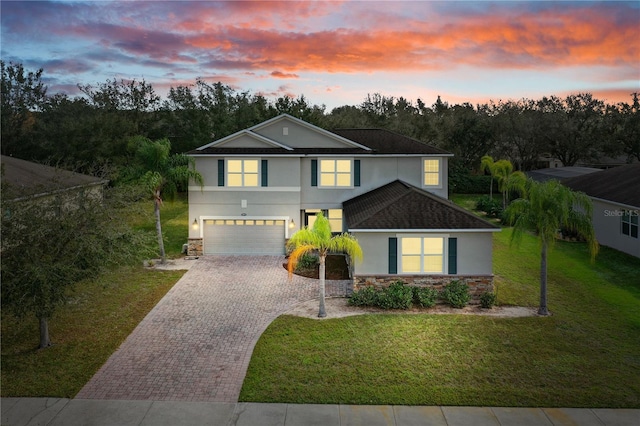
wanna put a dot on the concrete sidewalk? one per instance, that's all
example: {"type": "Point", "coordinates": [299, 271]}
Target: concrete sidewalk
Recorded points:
{"type": "Point", "coordinates": [76, 412]}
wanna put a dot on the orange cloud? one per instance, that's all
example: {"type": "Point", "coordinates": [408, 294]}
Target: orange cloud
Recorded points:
{"type": "Point", "coordinates": [523, 41]}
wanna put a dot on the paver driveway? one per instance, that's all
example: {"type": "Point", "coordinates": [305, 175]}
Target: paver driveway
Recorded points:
{"type": "Point", "coordinates": [195, 345]}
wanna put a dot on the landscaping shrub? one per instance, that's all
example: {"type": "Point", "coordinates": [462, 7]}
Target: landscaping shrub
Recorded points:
{"type": "Point", "coordinates": [425, 297]}
{"type": "Point", "coordinates": [487, 299]}
{"type": "Point", "coordinates": [307, 261]}
{"type": "Point", "coordinates": [493, 207]}
{"type": "Point", "coordinates": [456, 294]}
{"type": "Point", "coordinates": [396, 296]}
{"type": "Point", "coordinates": [367, 296]}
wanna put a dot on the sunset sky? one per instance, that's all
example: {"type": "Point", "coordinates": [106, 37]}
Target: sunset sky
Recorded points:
{"type": "Point", "coordinates": [335, 53]}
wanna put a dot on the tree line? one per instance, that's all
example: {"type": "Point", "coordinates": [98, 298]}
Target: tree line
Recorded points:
{"type": "Point", "coordinates": [92, 132]}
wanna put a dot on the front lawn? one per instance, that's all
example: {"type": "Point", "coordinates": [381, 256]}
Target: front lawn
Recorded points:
{"type": "Point", "coordinates": [587, 354]}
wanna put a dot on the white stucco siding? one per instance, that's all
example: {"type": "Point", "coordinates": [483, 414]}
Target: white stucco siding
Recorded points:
{"type": "Point", "coordinates": [295, 135]}
{"type": "Point", "coordinates": [374, 173]}
{"type": "Point", "coordinates": [474, 254]}
{"type": "Point", "coordinates": [607, 225]}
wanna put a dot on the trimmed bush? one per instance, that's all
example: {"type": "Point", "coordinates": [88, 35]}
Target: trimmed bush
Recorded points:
{"type": "Point", "coordinates": [425, 297]}
{"type": "Point", "coordinates": [397, 296]}
{"type": "Point", "coordinates": [367, 296]}
{"type": "Point", "coordinates": [456, 294]}
{"type": "Point", "coordinates": [487, 299]}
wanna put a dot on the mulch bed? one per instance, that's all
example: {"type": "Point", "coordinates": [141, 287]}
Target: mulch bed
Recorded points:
{"type": "Point", "coordinates": [335, 269]}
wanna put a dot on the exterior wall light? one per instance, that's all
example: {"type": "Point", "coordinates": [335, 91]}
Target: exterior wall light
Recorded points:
{"type": "Point", "coordinates": [292, 224]}
{"type": "Point", "coordinates": [194, 225]}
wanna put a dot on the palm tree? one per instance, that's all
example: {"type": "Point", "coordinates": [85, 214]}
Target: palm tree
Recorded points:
{"type": "Point", "coordinates": [508, 180]}
{"type": "Point", "coordinates": [546, 208]}
{"type": "Point", "coordinates": [487, 164]}
{"type": "Point", "coordinates": [319, 239]}
{"type": "Point", "coordinates": [164, 174]}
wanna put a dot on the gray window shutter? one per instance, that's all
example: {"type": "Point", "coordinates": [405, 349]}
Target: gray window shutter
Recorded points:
{"type": "Point", "coordinates": [314, 172]}
{"type": "Point", "coordinates": [220, 172]}
{"type": "Point", "coordinates": [393, 255]}
{"type": "Point", "coordinates": [453, 256]}
{"type": "Point", "coordinates": [265, 173]}
{"type": "Point", "coordinates": [356, 172]}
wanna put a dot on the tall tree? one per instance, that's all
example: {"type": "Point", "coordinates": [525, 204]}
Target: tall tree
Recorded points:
{"type": "Point", "coordinates": [572, 127]}
{"type": "Point", "coordinates": [50, 244]}
{"type": "Point", "coordinates": [546, 208]}
{"type": "Point", "coordinates": [319, 239]}
{"type": "Point", "coordinates": [23, 95]}
{"type": "Point", "coordinates": [162, 174]}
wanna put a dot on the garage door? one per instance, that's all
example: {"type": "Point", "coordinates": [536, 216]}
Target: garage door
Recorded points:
{"type": "Point", "coordinates": [242, 236]}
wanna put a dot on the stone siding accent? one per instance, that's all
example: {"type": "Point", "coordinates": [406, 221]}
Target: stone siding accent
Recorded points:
{"type": "Point", "coordinates": [194, 247]}
{"type": "Point", "coordinates": [478, 284]}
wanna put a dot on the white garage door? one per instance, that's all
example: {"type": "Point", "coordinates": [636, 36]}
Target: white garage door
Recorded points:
{"type": "Point", "coordinates": [243, 236]}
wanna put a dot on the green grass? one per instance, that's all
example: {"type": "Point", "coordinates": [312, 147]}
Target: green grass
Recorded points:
{"type": "Point", "coordinates": [174, 220]}
{"type": "Point", "coordinates": [102, 313]}
{"type": "Point", "coordinates": [587, 354]}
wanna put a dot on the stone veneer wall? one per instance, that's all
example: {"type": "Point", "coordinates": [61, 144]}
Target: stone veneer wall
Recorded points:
{"type": "Point", "coordinates": [194, 247]}
{"type": "Point", "coordinates": [478, 284]}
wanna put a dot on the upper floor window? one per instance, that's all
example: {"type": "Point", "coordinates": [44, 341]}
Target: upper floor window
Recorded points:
{"type": "Point", "coordinates": [242, 173]}
{"type": "Point", "coordinates": [335, 173]}
{"type": "Point", "coordinates": [629, 222]}
{"type": "Point", "coordinates": [431, 172]}
{"type": "Point", "coordinates": [419, 255]}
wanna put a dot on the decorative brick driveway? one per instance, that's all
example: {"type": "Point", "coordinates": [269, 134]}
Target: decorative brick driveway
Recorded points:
{"type": "Point", "coordinates": [195, 345]}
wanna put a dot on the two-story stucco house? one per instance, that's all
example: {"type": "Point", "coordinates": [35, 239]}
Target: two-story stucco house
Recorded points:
{"type": "Point", "coordinates": [390, 191]}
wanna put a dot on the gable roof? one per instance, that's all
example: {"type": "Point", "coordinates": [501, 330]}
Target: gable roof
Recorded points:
{"type": "Point", "coordinates": [28, 179]}
{"type": "Point", "coordinates": [362, 142]}
{"type": "Point", "coordinates": [383, 141]}
{"type": "Point", "coordinates": [619, 184]}
{"type": "Point", "coordinates": [400, 206]}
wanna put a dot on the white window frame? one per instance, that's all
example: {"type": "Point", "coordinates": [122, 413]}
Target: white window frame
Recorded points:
{"type": "Point", "coordinates": [627, 219]}
{"type": "Point", "coordinates": [424, 172]}
{"type": "Point", "coordinates": [326, 213]}
{"type": "Point", "coordinates": [335, 173]}
{"type": "Point", "coordinates": [445, 256]}
{"type": "Point", "coordinates": [242, 173]}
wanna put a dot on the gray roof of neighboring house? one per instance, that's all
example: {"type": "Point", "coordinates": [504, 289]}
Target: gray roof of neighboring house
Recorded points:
{"type": "Point", "coordinates": [381, 142]}
{"type": "Point", "coordinates": [398, 205]}
{"type": "Point", "coordinates": [28, 179]}
{"type": "Point", "coordinates": [619, 184]}
{"type": "Point", "coordinates": [559, 173]}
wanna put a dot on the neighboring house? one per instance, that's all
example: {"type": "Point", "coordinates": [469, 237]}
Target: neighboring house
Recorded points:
{"type": "Point", "coordinates": [615, 194]}
{"type": "Point", "coordinates": [390, 191]}
{"type": "Point", "coordinates": [559, 173]}
{"type": "Point", "coordinates": [32, 181]}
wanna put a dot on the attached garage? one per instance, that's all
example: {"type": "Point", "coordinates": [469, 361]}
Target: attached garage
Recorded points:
{"type": "Point", "coordinates": [244, 236]}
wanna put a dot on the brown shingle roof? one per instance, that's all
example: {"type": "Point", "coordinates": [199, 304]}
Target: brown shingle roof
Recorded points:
{"type": "Point", "coordinates": [398, 205]}
{"type": "Point", "coordinates": [619, 184]}
{"type": "Point", "coordinates": [26, 178]}
{"type": "Point", "coordinates": [387, 142]}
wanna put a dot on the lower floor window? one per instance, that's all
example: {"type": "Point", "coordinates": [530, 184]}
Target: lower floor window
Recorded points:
{"type": "Point", "coordinates": [422, 255]}
{"type": "Point", "coordinates": [334, 216]}
{"type": "Point", "coordinates": [630, 223]}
